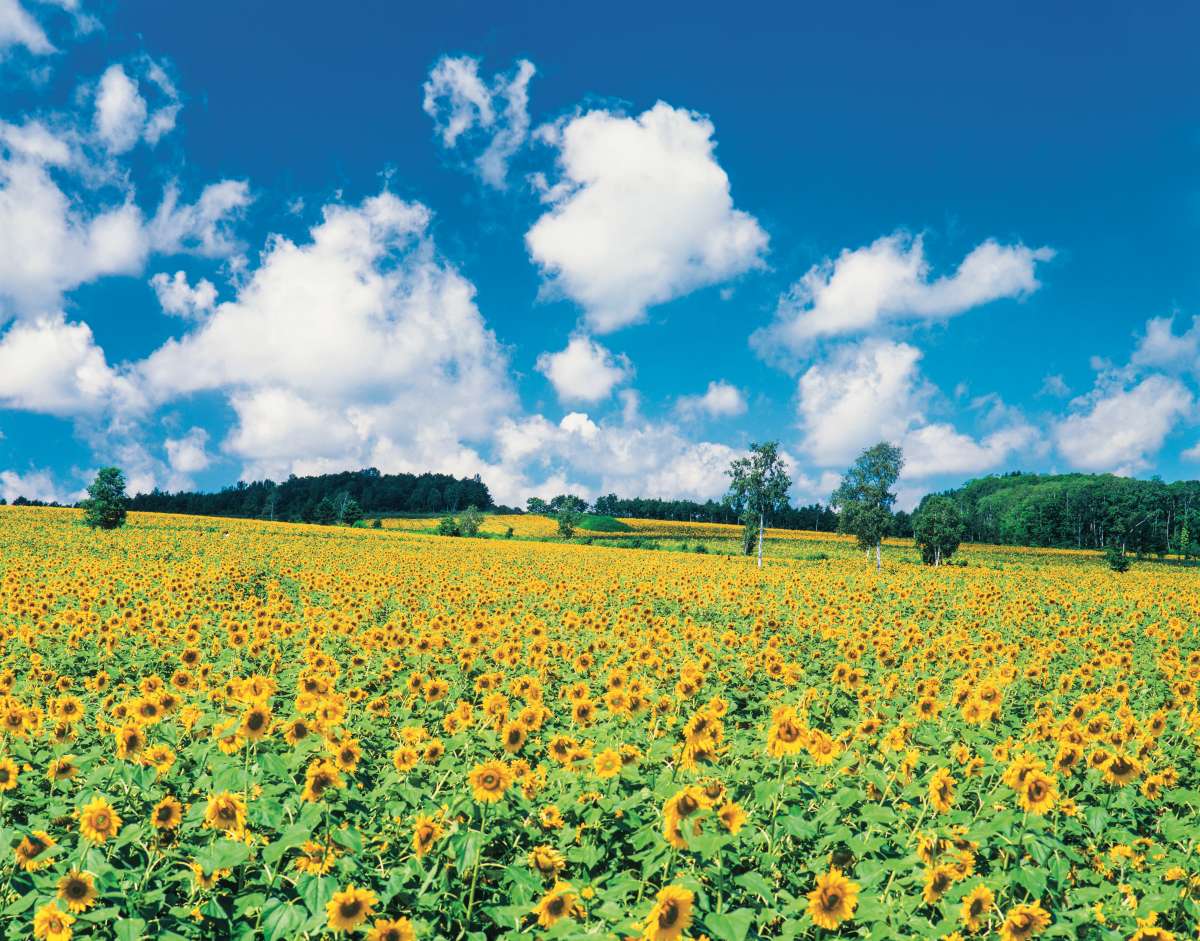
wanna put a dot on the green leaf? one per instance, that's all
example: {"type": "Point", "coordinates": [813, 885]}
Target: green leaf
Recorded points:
{"type": "Point", "coordinates": [1097, 819]}
{"type": "Point", "coordinates": [223, 854]}
{"type": "Point", "coordinates": [291, 837]}
{"type": "Point", "coordinates": [316, 891]}
{"type": "Point", "coordinates": [755, 884]}
{"type": "Point", "coordinates": [730, 926]}
{"type": "Point", "coordinates": [282, 919]}
{"type": "Point", "coordinates": [129, 929]}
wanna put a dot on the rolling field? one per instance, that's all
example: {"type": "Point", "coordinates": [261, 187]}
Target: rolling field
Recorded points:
{"type": "Point", "coordinates": [223, 728]}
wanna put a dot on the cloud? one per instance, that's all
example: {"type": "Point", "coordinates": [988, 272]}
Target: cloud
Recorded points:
{"type": "Point", "coordinates": [188, 454]}
{"type": "Point", "coordinates": [52, 241]}
{"type": "Point", "coordinates": [359, 346]}
{"type": "Point", "coordinates": [628, 457]}
{"type": "Point", "coordinates": [462, 105]}
{"type": "Point", "coordinates": [180, 299]}
{"type": "Point", "coordinates": [122, 115]}
{"type": "Point", "coordinates": [52, 366]}
{"type": "Point", "coordinates": [18, 28]}
{"type": "Point", "coordinates": [1162, 347]}
{"type": "Point", "coordinates": [1120, 429]}
{"type": "Point", "coordinates": [720, 400]}
{"type": "Point", "coordinates": [35, 485]}
{"type": "Point", "coordinates": [642, 214]}
{"type": "Point", "coordinates": [888, 280]}
{"type": "Point", "coordinates": [863, 393]}
{"type": "Point", "coordinates": [1055, 386]}
{"type": "Point", "coordinates": [874, 390]}
{"type": "Point", "coordinates": [585, 371]}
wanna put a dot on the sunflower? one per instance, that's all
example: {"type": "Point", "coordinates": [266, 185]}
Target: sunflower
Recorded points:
{"type": "Point", "coordinates": [550, 817]}
{"type": "Point", "coordinates": [167, 814]}
{"type": "Point", "coordinates": [33, 852]}
{"type": "Point", "coordinates": [52, 924]}
{"type": "Point", "coordinates": [320, 776]}
{"type": "Point", "coordinates": [347, 754]}
{"type": "Point", "coordinates": [833, 900]}
{"type": "Point", "coordinates": [349, 908]}
{"type": "Point", "coordinates": [787, 735]}
{"type": "Point", "coordinates": [1037, 792]}
{"type": "Point", "coordinates": [560, 902]}
{"type": "Point", "coordinates": [399, 929]}
{"type": "Point", "coordinates": [8, 774]}
{"type": "Point", "coordinates": [59, 769]}
{"type": "Point", "coordinates": [256, 723]}
{"type": "Point", "coordinates": [405, 758]}
{"type": "Point", "coordinates": [206, 880]}
{"type": "Point", "coordinates": [1121, 769]}
{"type": "Point", "coordinates": [77, 891]}
{"type": "Point", "coordinates": [489, 781]}
{"type": "Point", "coordinates": [607, 764]}
{"type": "Point", "coordinates": [296, 731]}
{"type": "Point", "coordinates": [678, 807]}
{"type": "Point", "coordinates": [513, 737]}
{"type": "Point", "coordinates": [671, 915]}
{"type": "Point", "coordinates": [732, 816]}
{"type": "Point", "coordinates": [1024, 921]}
{"type": "Point", "coordinates": [941, 791]}
{"type": "Point", "coordinates": [225, 811]}
{"type": "Point", "coordinates": [1148, 930]}
{"type": "Point", "coordinates": [546, 860]}
{"type": "Point", "coordinates": [315, 859]}
{"type": "Point", "coordinates": [976, 906]}
{"type": "Point", "coordinates": [426, 832]}
{"type": "Point", "coordinates": [938, 880]}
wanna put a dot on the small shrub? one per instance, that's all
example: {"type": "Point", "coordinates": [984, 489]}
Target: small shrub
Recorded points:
{"type": "Point", "coordinates": [1116, 558]}
{"type": "Point", "coordinates": [448, 526]}
{"type": "Point", "coordinates": [377, 523]}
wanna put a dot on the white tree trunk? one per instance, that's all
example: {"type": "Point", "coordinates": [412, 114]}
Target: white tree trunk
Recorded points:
{"type": "Point", "coordinates": [878, 557]}
{"type": "Point", "coordinates": [760, 529]}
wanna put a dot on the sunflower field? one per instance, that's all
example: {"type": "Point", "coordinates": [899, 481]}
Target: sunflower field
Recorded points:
{"type": "Point", "coordinates": [232, 729]}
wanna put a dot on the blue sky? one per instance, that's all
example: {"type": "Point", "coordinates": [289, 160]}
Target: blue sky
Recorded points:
{"type": "Point", "coordinates": [602, 253]}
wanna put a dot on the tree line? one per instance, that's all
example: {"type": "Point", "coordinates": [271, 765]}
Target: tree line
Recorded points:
{"type": "Point", "coordinates": [1081, 511]}
{"type": "Point", "coordinates": [814, 516]}
{"type": "Point", "coordinates": [327, 498]}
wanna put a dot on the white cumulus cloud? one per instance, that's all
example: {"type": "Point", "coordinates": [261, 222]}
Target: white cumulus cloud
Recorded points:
{"type": "Point", "coordinates": [180, 299]}
{"type": "Point", "coordinates": [19, 28]}
{"type": "Point", "coordinates": [464, 106]}
{"type": "Point", "coordinates": [642, 214]}
{"type": "Point", "coordinates": [889, 280]}
{"type": "Point", "coordinates": [188, 454]}
{"type": "Point", "coordinates": [720, 400]}
{"type": "Point", "coordinates": [584, 371]}
{"type": "Point", "coordinates": [1121, 429]}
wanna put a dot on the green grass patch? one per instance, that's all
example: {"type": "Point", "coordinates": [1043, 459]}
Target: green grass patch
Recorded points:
{"type": "Point", "coordinates": [603, 524]}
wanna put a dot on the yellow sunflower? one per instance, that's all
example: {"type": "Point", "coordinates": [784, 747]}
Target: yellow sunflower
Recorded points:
{"type": "Point", "coordinates": [671, 915]}
{"type": "Point", "coordinates": [833, 900]}
{"type": "Point", "coordinates": [349, 908]}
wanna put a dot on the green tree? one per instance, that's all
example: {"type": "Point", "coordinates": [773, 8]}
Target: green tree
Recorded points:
{"type": "Point", "coordinates": [325, 512]}
{"type": "Point", "coordinates": [537, 506]}
{"type": "Point", "coordinates": [448, 526]}
{"type": "Point", "coordinates": [568, 518]}
{"type": "Point", "coordinates": [106, 504]}
{"type": "Point", "coordinates": [938, 529]}
{"type": "Point", "coordinates": [349, 512]}
{"type": "Point", "coordinates": [864, 500]}
{"type": "Point", "coordinates": [470, 521]}
{"type": "Point", "coordinates": [758, 486]}
{"type": "Point", "coordinates": [1116, 558]}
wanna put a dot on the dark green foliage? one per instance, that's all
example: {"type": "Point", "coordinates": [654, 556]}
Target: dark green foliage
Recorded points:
{"type": "Point", "coordinates": [106, 504]}
{"type": "Point", "coordinates": [758, 486]}
{"type": "Point", "coordinates": [470, 521]}
{"type": "Point", "coordinates": [325, 512]}
{"type": "Point", "coordinates": [938, 529]}
{"type": "Point", "coordinates": [864, 500]}
{"type": "Point", "coordinates": [568, 518]}
{"type": "Point", "coordinates": [377, 523]}
{"type": "Point", "coordinates": [349, 512]}
{"type": "Point", "coordinates": [508, 533]}
{"type": "Point", "coordinates": [1080, 511]}
{"type": "Point", "coordinates": [448, 526]}
{"type": "Point", "coordinates": [1116, 558]}
{"type": "Point", "coordinates": [372, 491]}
